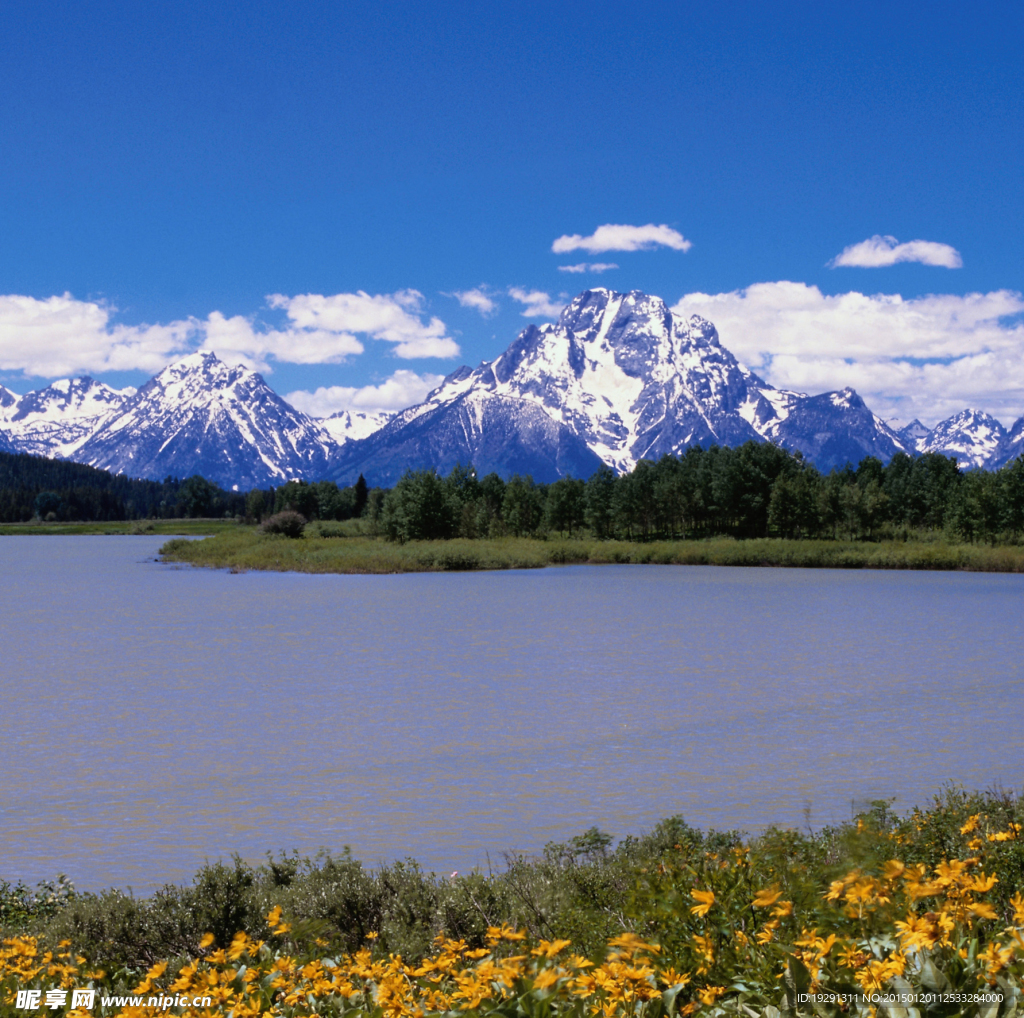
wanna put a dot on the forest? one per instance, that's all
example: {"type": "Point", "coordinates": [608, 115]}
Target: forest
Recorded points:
{"type": "Point", "coordinates": [32, 487]}
{"type": "Point", "coordinates": [754, 490]}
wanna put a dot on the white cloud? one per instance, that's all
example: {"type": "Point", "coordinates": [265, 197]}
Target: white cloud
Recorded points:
{"type": "Point", "coordinates": [620, 237]}
{"type": "Point", "coordinates": [592, 267]}
{"type": "Point", "coordinates": [925, 357]}
{"type": "Point", "coordinates": [477, 298]}
{"type": "Point", "coordinates": [878, 251]}
{"type": "Point", "coordinates": [403, 389]}
{"type": "Point", "coordinates": [538, 304]}
{"type": "Point", "coordinates": [236, 340]}
{"type": "Point", "coordinates": [64, 336]}
{"type": "Point", "coordinates": [395, 318]}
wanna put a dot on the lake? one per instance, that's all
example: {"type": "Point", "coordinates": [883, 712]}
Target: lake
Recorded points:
{"type": "Point", "coordinates": [156, 716]}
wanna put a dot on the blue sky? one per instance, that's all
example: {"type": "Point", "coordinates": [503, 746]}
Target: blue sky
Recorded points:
{"type": "Point", "coordinates": [163, 163]}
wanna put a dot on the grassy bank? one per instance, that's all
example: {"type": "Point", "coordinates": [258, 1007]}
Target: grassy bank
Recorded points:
{"type": "Point", "coordinates": [190, 527]}
{"type": "Point", "coordinates": [347, 551]}
{"type": "Point", "coordinates": [674, 922]}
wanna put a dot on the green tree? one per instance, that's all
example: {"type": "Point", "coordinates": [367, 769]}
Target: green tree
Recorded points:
{"type": "Point", "coordinates": [48, 504]}
{"type": "Point", "coordinates": [298, 497]}
{"type": "Point", "coordinates": [255, 504]}
{"type": "Point", "coordinates": [598, 494]}
{"type": "Point", "coordinates": [565, 506]}
{"type": "Point", "coordinates": [418, 508]}
{"type": "Point", "coordinates": [361, 492]}
{"type": "Point", "coordinates": [523, 506]}
{"type": "Point", "coordinates": [196, 497]}
{"type": "Point", "coordinates": [492, 497]}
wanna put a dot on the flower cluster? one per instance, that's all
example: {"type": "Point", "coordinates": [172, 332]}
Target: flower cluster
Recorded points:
{"type": "Point", "coordinates": [729, 932]}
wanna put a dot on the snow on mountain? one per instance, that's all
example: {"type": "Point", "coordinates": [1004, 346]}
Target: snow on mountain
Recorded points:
{"type": "Point", "coordinates": [493, 432]}
{"type": "Point", "coordinates": [351, 424]}
{"type": "Point", "coordinates": [199, 416]}
{"type": "Point", "coordinates": [834, 429]}
{"type": "Point", "coordinates": [1011, 447]}
{"type": "Point", "coordinates": [618, 378]}
{"type": "Point", "coordinates": [973, 438]}
{"type": "Point", "coordinates": [631, 381]}
{"type": "Point", "coordinates": [57, 420]}
{"type": "Point", "coordinates": [914, 435]}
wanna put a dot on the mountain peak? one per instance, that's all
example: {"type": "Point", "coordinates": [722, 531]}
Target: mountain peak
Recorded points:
{"type": "Point", "coordinates": [972, 437]}
{"type": "Point", "coordinates": [201, 416]}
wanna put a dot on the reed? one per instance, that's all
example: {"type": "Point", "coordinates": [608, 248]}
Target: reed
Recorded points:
{"type": "Point", "coordinates": [337, 551]}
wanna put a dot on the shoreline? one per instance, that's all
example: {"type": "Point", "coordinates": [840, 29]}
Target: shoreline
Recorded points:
{"type": "Point", "coordinates": [703, 917]}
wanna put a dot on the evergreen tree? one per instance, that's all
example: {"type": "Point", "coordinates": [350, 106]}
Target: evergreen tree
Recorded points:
{"type": "Point", "coordinates": [361, 495]}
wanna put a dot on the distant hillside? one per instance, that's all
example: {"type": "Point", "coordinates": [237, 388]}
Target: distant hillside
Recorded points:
{"type": "Point", "coordinates": [32, 485]}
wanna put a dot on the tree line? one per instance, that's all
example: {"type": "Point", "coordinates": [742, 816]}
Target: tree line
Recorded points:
{"type": "Point", "coordinates": [35, 487]}
{"type": "Point", "coordinates": [754, 490]}
{"type": "Point", "coordinates": [320, 500]}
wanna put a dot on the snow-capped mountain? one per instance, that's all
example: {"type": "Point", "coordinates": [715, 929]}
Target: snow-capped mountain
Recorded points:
{"type": "Point", "coordinates": [7, 400]}
{"type": "Point", "coordinates": [493, 432]}
{"type": "Point", "coordinates": [55, 421]}
{"type": "Point", "coordinates": [833, 429]}
{"type": "Point", "coordinates": [201, 416]}
{"type": "Point", "coordinates": [628, 380]}
{"type": "Point", "coordinates": [351, 424]}
{"type": "Point", "coordinates": [974, 439]}
{"type": "Point", "coordinates": [1010, 448]}
{"type": "Point", "coordinates": [913, 435]}
{"type": "Point", "coordinates": [618, 378]}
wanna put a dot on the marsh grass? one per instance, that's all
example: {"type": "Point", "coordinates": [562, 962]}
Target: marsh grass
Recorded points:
{"type": "Point", "coordinates": [347, 548]}
{"type": "Point", "coordinates": [184, 527]}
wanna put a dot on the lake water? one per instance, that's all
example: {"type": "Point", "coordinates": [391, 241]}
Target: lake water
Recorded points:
{"type": "Point", "coordinates": [155, 716]}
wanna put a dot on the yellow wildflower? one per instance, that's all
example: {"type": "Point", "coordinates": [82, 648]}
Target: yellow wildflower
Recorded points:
{"type": "Point", "coordinates": [630, 944]}
{"type": "Point", "coordinates": [709, 994]}
{"type": "Point", "coordinates": [767, 897]}
{"type": "Point", "coordinates": [982, 910]}
{"type": "Point", "coordinates": [1018, 909]}
{"type": "Point", "coordinates": [704, 899]}
{"type": "Point", "coordinates": [672, 977]}
{"type": "Point", "coordinates": [503, 932]}
{"type": "Point", "coordinates": [981, 883]}
{"type": "Point", "coordinates": [995, 958]}
{"type": "Point", "coordinates": [893, 869]}
{"type": "Point", "coordinates": [545, 978]}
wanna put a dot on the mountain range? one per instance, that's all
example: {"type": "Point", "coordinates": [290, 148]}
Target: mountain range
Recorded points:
{"type": "Point", "coordinates": [616, 379]}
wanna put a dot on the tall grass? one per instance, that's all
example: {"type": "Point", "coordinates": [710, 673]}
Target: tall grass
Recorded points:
{"type": "Point", "coordinates": [339, 549]}
{"type": "Point", "coordinates": [195, 527]}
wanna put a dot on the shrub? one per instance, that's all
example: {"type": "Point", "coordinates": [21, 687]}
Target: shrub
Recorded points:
{"type": "Point", "coordinates": [288, 523]}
